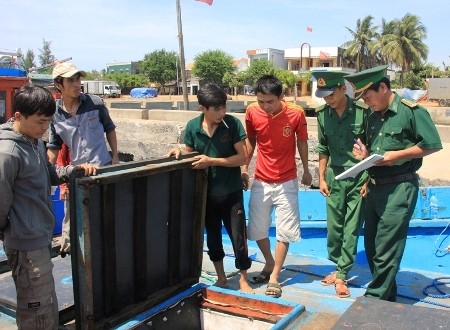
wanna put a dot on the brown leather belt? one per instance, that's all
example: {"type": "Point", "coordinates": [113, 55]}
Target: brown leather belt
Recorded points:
{"type": "Point", "coordinates": [395, 179]}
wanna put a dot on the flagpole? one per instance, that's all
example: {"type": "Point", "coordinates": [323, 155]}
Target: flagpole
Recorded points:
{"type": "Point", "coordinates": [182, 61]}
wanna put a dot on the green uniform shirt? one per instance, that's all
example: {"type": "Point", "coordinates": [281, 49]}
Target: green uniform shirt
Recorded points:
{"type": "Point", "coordinates": [337, 134]}
{"type": "Point", "coordinates": [403, 125]}
{"type": "Point", "coordinates": [221, 180]}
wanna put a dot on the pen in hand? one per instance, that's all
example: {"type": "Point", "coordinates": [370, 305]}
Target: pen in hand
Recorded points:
{"type": "Point", "coordinates": [359, 149]}
{"type": "Point", "coordinates": [356, 142]}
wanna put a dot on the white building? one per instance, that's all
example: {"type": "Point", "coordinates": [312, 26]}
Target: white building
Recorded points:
{"type": "Point", "coordinates": [275, 56]}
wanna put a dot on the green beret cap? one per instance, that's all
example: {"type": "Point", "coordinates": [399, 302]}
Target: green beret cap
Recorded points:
{"type": "Point", "coordinates": [364, 79]}
{"type": "Point", "coordinates": [327, 81]}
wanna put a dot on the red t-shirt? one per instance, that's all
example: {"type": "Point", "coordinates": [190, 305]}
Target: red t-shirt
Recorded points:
{"type": "Point", "coordinates": [276, 140]}
{"type": "Point", "coordinates": [63, 160]}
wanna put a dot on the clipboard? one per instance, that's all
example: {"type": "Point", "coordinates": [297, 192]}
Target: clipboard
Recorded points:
{"type": "Point", "coordinates": [361, 166]}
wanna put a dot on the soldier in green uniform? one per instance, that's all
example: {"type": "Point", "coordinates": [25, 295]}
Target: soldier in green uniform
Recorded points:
{"type": "Point", "coordinates": [403, 133]}
{"type": "Point", "coordinates": [340, 122]}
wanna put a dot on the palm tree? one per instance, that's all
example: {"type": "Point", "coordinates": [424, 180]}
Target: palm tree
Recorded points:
{"type": "Point", "coordinates": [403, 44]}
{"type": "Point", "coordinates": [361, 47]}
{"type": "Point", "coordinates": [387, 29]}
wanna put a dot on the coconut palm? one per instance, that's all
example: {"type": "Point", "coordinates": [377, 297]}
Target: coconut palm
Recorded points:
{"type": "Point", "coordinates": [403, 44]}
{"type": "Point", "coordinates": [387, 29]}
{"type": "Point", "coordinates": [362, 45]}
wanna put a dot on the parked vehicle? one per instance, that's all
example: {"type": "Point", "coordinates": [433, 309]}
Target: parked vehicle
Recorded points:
{"type": "Point", "coordinates": [439, 90]}
{"type": "Point", "coordinates": [102, 88]}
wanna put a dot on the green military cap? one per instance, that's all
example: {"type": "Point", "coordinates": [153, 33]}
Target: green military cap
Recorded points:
{"type": "Point", "coordinates": [327, 81]}
{"type": "Point", "coordinates": [364, 79]}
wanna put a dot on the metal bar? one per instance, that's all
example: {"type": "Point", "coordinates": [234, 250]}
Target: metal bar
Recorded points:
{"type": "Point", "coordinates": [174, 225]}
{"type": "Point", "coordinates": [132, 170]}
{"type": "Point", "coordinates": [109, 249]}
{"type": "Point", "coordinates": [201, 180]}
{"type": "Point", "coordinates": [140, 233]}
{"type": "Point", "coordinates": [81, 261]}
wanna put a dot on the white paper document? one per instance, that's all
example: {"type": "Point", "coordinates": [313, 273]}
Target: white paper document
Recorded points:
{"type": "Point", "coordinates": [361, 166]}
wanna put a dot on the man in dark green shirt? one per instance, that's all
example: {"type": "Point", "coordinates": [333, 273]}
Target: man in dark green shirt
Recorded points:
{"type": "Point", "coordinates": [220, 140]}
{"type": "Point", "coordinates": [403, 133]}
{"type": "Point", "coordinates": [339, 122]}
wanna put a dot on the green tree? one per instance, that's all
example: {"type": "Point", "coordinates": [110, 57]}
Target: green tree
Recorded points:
{"type": "Point", "coordinates": [361, 48]}
{"type": "Point", "coordinates": [428, 70]}
{"type": "Point", "coordinates": [93, 75]}
{"type": "Point", "coordinates": [413, 81]}
{"type": "Point", "coordinates": [128, 81]}
{"type": "Point", "coordinates": [160, 66]}
{"type": "Point", "coordinates": [46, 56]}
{"type": "Point", "coordinates": [387, 29]}
{"type": "Point", "coordinates": [288, 78]}
{"type": "Point", "coordinates": [404, 44]}
{"type": "Point", "coordinates": [257, 69]}
{"type": "Point", "coordinates": [211, 66]}
{"type": "Point", "coordinates": [29, 61]}
{"type": "Point", "coordinates": [233, 81]}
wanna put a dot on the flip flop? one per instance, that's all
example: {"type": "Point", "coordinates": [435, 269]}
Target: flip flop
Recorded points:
{"type": "Point", "coordinates": [263, 277]}
{"type": "Point", "coordinates": [341, 288]}
{"type": "Point", "coordinates": [330, 279]}
{"type": "Point", "coordinates": [273, 290]}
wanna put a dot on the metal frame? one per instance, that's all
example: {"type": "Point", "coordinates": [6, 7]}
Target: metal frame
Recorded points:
{"type": "Point", "coordinates": [136, 237]}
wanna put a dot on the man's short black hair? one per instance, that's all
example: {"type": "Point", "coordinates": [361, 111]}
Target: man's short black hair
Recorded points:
{"type": "Point", "coordinates": [31, 99]}
{"type": "Point", "coordinates": [269, 85]}
{"type": "Point", "coordinates": [211, 95]}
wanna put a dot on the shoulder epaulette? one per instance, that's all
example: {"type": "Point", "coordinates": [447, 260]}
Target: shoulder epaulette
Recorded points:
{"type": "Point", "coordinates": [409, 103]}
{"type": "Point", "coordinates": [321, 107]}
{"type": "Point", "coordinates": [361, 105]}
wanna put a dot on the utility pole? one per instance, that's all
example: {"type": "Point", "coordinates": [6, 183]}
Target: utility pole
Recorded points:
{"type": "Point", "coordinates": [178, 79]}
{"type": "Point", "coordinates": [182, 62]}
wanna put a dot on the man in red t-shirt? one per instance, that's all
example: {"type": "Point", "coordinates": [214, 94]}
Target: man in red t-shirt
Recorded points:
{"type": "Point", "coordinates": [277, 128]}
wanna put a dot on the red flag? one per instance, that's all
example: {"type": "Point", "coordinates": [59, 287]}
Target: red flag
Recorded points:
{"type": "Point", "coordinates": [209, 2]}
{"type": "Point", "coordinates": [324, 56]}
{"type": "Point", "coordinates": [308, 29]}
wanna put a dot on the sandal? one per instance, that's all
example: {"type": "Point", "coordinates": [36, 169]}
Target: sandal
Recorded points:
{"type": "Point", "coordinates": [263, 277]}
{"type": "Point", "coordinates": [273, 290]}
{"type": "Point", "coordinates": [329, 279]}
{"type": "Point", "coordinates": [341, 288]}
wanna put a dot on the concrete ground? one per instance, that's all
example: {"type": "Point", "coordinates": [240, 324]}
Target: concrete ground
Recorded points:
{"type": "Point", "coordinates": [436, 166]}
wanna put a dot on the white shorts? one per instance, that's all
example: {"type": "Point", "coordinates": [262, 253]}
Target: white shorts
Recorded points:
{"type": "Point", "coordinates": [264, 198]}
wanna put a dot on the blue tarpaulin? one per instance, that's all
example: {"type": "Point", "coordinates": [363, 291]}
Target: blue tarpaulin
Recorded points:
{"type": "Point", "coordinates": [413, 95]}
{"type": "Point", "coordinates": [11, 72]}
{"type": "Point", "coordinates": [142, 92]}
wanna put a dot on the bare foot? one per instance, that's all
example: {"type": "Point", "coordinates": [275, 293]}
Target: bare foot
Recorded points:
{"type": "Point", "coordinates": [268, 267]}
{"type": "Point", "coordinates": [221, 283]}
{"type": "Point", "coordinates": [244, 287]}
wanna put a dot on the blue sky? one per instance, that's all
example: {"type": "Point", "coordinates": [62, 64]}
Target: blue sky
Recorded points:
{"type": "Point", "coordinates": [95, 32]}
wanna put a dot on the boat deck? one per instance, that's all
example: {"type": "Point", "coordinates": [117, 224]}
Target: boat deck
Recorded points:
{"type": "Point", "coordinates": [305, 266]}
{"type": "Point", "coordinates": [426, 261]}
